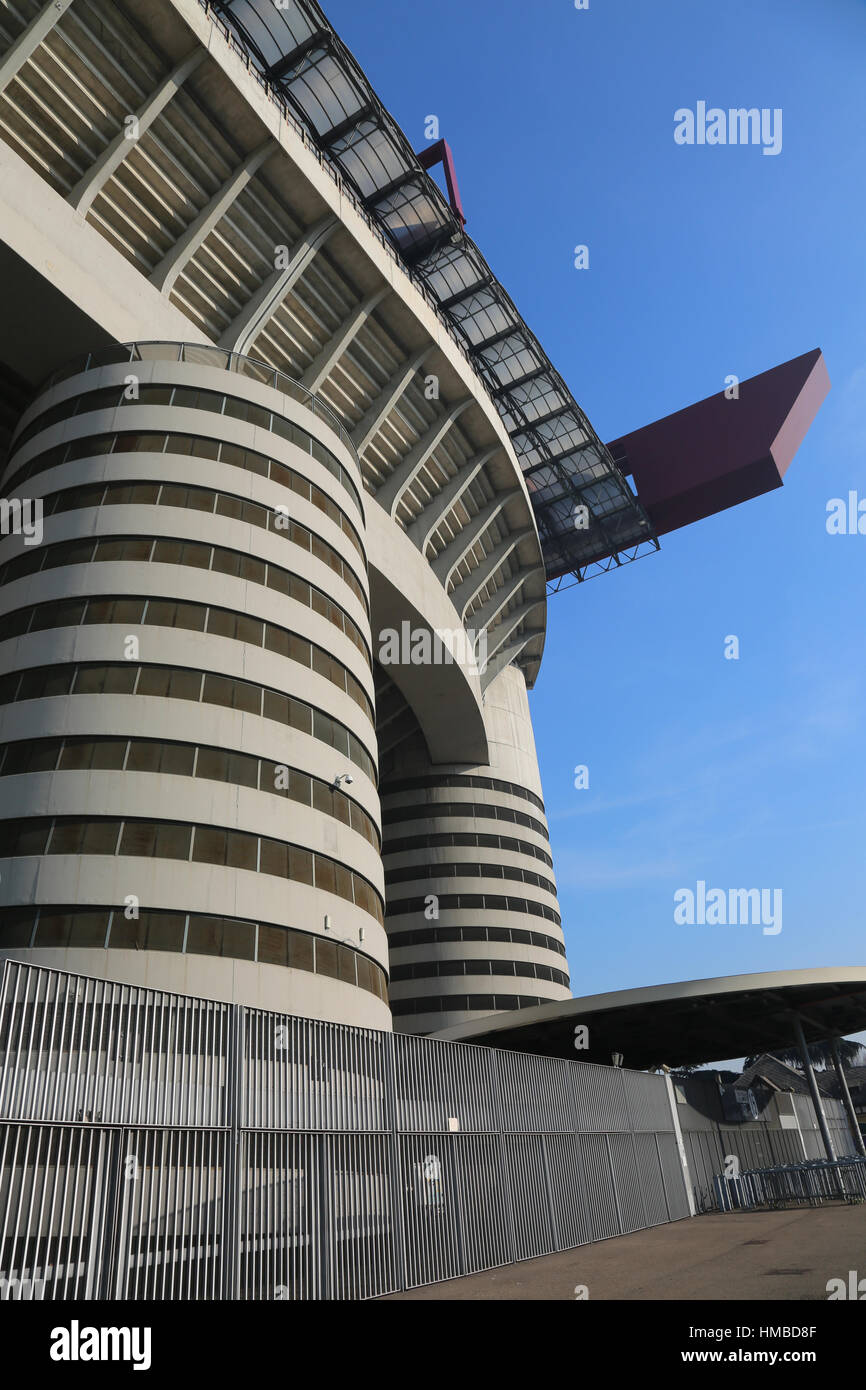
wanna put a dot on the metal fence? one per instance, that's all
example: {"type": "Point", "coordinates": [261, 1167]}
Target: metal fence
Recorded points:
{"type": "Point", "coordinates": [805, 1184]}
{"type": "Point", "coordinates": [154, 1146]}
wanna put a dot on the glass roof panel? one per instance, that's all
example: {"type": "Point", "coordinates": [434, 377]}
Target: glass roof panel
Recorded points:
{"type": "Point", "coordinates": [325, 85]}
{"type": "Point", "coordinates": [412, 217]}
{"type": "Point", "coordinates": [451, 270]}
{"type": "Point", "coordinates": [481, 316]}
{"type": "Point", "coordinates": [323, 90]}
{"type": "Point", "coordinates": [273, 32]}
{"type": "Point", "coordinates": [369, 157]}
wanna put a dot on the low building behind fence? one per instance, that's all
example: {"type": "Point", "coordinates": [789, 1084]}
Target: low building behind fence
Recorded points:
{"type": "Point", "coordinates": [784, 1130]}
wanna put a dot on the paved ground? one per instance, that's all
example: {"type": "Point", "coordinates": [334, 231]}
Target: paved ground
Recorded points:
{"type": "Point", "coordinates": [739, 1255]}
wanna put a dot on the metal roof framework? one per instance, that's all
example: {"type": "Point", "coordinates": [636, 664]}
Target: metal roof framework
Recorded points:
{"type": "Point", "coordinates": [565, 464]}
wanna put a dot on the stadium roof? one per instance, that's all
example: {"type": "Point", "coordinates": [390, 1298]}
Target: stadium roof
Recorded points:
{"type": "Point", "coordinates": [308, 68]}
{"type": "Point", "coordinates": [689, 1022]}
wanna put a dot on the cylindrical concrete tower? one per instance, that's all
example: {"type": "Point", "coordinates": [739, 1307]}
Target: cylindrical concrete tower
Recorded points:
{"type": "Point", "coordinates": [473, 920]}
{"type": "Point", "coordinates": [186, 698]}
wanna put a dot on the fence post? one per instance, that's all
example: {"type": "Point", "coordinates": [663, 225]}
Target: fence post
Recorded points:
{"type": "Point", "coordinates": [614, 1187]}
{"type": "Point", "coordinates": [459, 1216]}
{"type": "Point", "coordinates": [554, 1229]}
{"type": "Point", "coordinates": [231, 1272]}
{"type": "Point", "coordinates": [109, 1243]}
{"type": "Point", "coordinates": [503, 1151]}
{"type": "Point", "coordinates": [397, 1225]}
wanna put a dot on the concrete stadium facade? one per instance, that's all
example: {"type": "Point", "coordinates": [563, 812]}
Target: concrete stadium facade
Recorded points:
{"type": "Point", "coordinates": [258, 449]}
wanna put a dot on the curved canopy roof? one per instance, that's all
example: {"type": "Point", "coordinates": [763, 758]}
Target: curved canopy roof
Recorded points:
{"type": "Point", "coordinates": [564, 462]}
{"type": "Point", "coordinates": [685, 1023]}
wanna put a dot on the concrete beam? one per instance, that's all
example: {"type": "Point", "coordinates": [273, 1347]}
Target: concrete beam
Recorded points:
{"type": "Point", "coordinates": [468, 591]}
{"type": "Point", "coordinates": [321, 367]}
{"type": "Point", "coordinates": [246, 327]}
{"type": "Point", "coordinates": [390, 494]}
{"type": "Point", "coordinates": [201, 227]}
{"type": "Point", "coordinates": [490, 610]}
{"type": "Point", "coordinates": [381, 408]}
{"type": "Point", "coordinates": [438, 507]}
{"type": "Point", "coordinates": [115, 153]}
{"type": "Point", "coordinates": [501, 634]}
{"type": "Point", "coordinates": [27, 43]}
{"type": "Point", "coordinates": [57, 268]}
{"type": "Point", "coordinates": [681, 1148]}
{"type": "Point", "coordinates": [445, 564]}
{"type": "Point", "coordinates": [506, 655]}
{"type": "Point", "coordinates": [445, 697]}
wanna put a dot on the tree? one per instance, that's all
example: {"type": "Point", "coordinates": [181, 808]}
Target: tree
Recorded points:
{"type": "Point", "coordinates": [820, 1055]}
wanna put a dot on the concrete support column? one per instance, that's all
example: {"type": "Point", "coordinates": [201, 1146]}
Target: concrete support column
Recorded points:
{"type": "Point", "coordinates": [472, 916]}
{"type": "Point", "coordinates": [813, 1088]}
{"type": "Point", "coordinates": [681, 1148]}
{"type": "Point", "coordinates": [226, 729]}
{"type": "Point", "coordinates": [846, 1097]}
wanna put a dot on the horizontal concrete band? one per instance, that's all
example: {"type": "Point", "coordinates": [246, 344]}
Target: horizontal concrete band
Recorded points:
{"type": "Point", "coordinates": [238, 506]}
{"type": "Point", "coordinates": [171, 885]}
{"type": "Point", "coordinates": [238, 470]}
{"type": "Point", "coordinates": [93, 792]}
{"type": "Point", "coordinates": [163, 371]}
{"type": "Point", "coordinates": [190, 724]}
{"type": "Point", "coordinates": [134, 926]}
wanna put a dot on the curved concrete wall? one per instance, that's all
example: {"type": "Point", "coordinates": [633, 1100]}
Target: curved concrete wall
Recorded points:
{"type": "Point", "coordinates": [472, 916]}
{"type": "Point", "coordinates": [164, 791]}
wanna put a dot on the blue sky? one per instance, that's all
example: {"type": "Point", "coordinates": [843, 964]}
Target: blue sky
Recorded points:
{"type": "Point", "coordinates": [704, 261]}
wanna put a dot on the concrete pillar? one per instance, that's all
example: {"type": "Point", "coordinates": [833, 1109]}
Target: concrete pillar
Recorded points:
{"type": "Point", "coordinates": [846, 1097]}
{"type": "Point", "coordinates": [681, 1148]}
{"type": "Point", "coordinates": [813, 1087]}
{"type": "Point", "coordinates": [449, 833]}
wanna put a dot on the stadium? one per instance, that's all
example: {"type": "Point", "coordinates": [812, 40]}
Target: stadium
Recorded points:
{"type": "Point", "coordinates": [275, 410]}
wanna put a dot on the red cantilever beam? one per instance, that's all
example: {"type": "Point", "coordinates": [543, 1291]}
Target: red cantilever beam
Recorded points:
{"type": "Point", "coordinates": [719, 451]}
